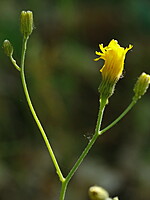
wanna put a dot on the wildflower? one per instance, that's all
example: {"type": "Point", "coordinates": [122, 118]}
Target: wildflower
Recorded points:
{"type": "Point", "coordinates": [26, 20]}
{"type": "Point", "coordinates": [8, 48]}
{"type": "Point", "coordinates": [114, 56]}
{"type": "Point", "coordinates": [141, 86]}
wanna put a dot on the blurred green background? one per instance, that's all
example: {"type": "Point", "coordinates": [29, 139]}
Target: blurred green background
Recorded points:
{"type": "Point", "coordinates": [63, 81]}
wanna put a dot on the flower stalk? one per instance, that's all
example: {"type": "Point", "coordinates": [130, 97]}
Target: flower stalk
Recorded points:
{"type": "Point", "coordinates": [58, 171]}
{"type": "Point", "coordinates": [85, 152]}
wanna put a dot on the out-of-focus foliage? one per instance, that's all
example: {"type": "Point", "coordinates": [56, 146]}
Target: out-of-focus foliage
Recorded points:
{"type": "Point", "coordinates": [63, 81]}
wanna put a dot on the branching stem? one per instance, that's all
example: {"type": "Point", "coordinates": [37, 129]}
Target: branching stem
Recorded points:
{"type": "Point", "coordinates": [85, 152]}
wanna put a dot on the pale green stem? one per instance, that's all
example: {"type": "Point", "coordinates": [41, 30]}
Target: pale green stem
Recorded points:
{"type": "Point", "coordinates": [119, 118]}
{"type": "Point", "coordinates": [14, 63]}
{"type": "Point", "coordinates": [85, 152]}
{"type": "Point", "coordinates": [58, 171]}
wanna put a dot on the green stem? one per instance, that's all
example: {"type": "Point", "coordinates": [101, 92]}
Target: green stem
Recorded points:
{"type": "Point", "coordinates": [85, 152]}
{"type": "Point", "coordinates": [119, 118]}
{"type": "Point", "coordinates": [14, 63]}
{"type": "Point", "coordinates": [63, 189]}
{"type": "Point", "coordinates": [58, 171]}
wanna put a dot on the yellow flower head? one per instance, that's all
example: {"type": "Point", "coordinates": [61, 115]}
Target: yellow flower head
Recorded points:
{"type": "Point", "coordinates": [114, 56]}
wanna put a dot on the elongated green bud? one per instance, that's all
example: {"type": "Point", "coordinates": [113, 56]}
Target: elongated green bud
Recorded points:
{"type": "Point", "coordinates": [8, 48]}
{"type": "Point", "coordinates": [141, 86]}
{"type": "Point", "coordinates": [26, 20]}
{"type": "Point", "coordinates": [98, 193]}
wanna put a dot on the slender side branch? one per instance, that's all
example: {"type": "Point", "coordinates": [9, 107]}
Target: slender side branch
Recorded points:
{"type": "Point", "coordinates": [119, 118]}
{"type": "Point", "coordinates": [14, 63]}
{"type": "Point", "coordinates": [25, 39]}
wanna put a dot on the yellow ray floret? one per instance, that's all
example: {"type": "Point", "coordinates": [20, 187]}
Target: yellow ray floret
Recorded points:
{"type": "Point", "coordinates": [114, 56]}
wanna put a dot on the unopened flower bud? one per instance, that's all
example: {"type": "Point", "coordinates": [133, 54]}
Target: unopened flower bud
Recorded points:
{"type": "Point", "coordinates": [98, 193]}
{"type": "Point", "coordinates": [115, 198]}
{"type": "Point", "coordinates": [141, 85]}
{"type": "Point", "coordinates": [8, 48]}
{"type": "Point", "coordinates": [26, 20]}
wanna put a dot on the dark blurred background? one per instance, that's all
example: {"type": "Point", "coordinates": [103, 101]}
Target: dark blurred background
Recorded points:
{"type": "Point", "coordinates": [63, 80]}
